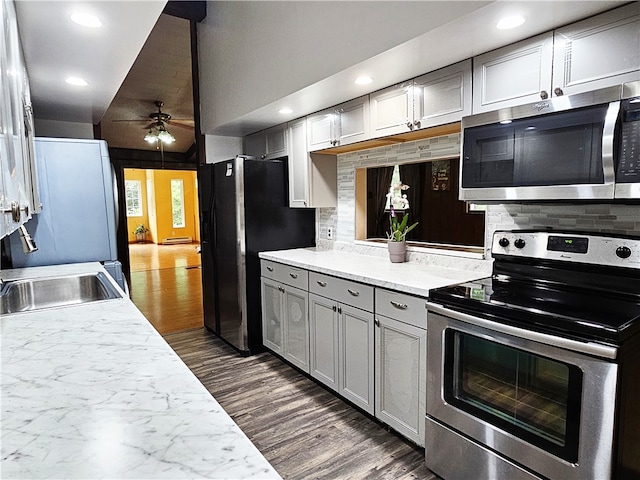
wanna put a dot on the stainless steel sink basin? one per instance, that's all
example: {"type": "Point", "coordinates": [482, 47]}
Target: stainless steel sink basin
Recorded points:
{"type": "Point", "coordinates": [47, 292]}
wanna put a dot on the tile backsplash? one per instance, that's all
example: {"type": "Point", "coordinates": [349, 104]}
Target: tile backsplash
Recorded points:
{"type": "Point", "coordinates": [606, 218]}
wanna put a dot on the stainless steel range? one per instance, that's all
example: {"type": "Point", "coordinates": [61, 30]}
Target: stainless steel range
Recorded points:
{"type": "Point", "coordinates": [535, 371]}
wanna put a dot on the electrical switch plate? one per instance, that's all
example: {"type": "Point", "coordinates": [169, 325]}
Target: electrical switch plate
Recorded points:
{"type": "Point", "coordinates": [329, 233]}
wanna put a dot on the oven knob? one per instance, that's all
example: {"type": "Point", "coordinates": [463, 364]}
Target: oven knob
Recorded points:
{"type": "Point", "coordinates": [519, 243]}
{"type": "Point", "coordinates": [503, 242]}
{"type": "Point", "coordinates": [623, 252]}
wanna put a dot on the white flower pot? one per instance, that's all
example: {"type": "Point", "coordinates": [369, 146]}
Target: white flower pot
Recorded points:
{"type": "Point", "coordinates": [397, 251]}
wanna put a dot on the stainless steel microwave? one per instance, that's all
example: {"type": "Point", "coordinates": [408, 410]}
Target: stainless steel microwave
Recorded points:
{"type": "Point", "coordinates": [578, 147]}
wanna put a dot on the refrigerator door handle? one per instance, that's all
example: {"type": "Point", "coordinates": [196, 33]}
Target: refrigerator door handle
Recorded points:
{"type": "Point", "coordinates": [116, 200]}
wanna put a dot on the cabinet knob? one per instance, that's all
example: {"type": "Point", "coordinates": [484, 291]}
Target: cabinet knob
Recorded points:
{"type": "Point", "coordinates": [558, 92]}
{"type": "Point", "coordinates": [398, 305]}
{"type": "Point", "coordinates": [270, 268]}
{"type": "Point", "coordinates": [322, 284]}
{"type": "Point", "coordinates": [340, 310]}
{"type": "Point", "coordinates": [263, 156]}
{"type": "Point", "coordinates": [281, 289]}
{"type": "Point", "coordinates": [293, 275]}
{"type": "Point", "coordinates": [355, 293]}
{"type": "Point", "coordinates": [334, 308]}
{"type": "Point", "coordinates": [410, 125]}
{"type": "Point", "coordinates": [376, 322]}
{"type": "Point", "coordinates": [544, 95]}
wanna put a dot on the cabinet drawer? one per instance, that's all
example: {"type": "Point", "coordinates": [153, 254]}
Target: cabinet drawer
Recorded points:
{"type": "Point", "coordinates": [344, 291]}
{"type": "Point", "coordinates": [402, 307]}
{"type": "Point", "coordinates": [296, 277]}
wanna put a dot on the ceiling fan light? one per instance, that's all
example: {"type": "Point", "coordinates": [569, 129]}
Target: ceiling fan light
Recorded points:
{"type": "Point", "coordinates": [165, 136]}
{"type": "Point", "coordinates": [151, 137]}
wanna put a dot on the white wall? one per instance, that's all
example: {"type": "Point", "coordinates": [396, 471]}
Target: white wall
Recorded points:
{"type": "Point", "coordinates": [219, 149]}
{"type": "Point", "coordinates": [57, 129]}
{"type": "Point", "coordinates": [252, 53]}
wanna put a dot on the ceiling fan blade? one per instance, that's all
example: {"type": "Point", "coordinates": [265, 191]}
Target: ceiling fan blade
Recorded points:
{"type": "Point", "coordinates": [181, 125]}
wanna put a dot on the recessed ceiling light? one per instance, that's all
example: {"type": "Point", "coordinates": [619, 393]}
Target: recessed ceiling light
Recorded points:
{"type": "Point", "coordinates": [510, 22]}
{"type": "Point", "coordinates": [285, 111]}
{"type": "Point", "coordinates": [86, 20]}
{"type": "Point", "coordinates": [364, 80]}
{"type": "Point", "coordinates": [77, 81]}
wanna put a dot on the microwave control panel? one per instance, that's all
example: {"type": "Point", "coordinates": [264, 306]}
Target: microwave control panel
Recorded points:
{"type": "Point", "coordinates": [629, 153]}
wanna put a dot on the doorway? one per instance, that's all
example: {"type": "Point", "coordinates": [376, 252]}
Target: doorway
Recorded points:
{"type": "Point", "coordinates": [164, 247]}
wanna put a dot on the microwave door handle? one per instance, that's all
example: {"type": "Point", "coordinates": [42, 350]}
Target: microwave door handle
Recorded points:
{"type": "Point", "coordinates": [610, 121]}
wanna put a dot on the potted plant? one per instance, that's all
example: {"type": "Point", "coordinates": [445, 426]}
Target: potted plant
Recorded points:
{"type": "Point", "coordinates": [397, 243]}
{"type": "Point", "coordinates": [141, 233]}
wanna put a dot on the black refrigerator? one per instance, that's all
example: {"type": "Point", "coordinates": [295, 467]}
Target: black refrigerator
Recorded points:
{"type": "Point", "coordinates": [244, 211]}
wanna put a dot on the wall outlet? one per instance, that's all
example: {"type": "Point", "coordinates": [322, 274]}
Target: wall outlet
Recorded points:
{"type": "Point", "coordinates": [329, 233]}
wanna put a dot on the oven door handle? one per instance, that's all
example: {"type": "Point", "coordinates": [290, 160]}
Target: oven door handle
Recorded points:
{"type": "Point", "coordinates": [589, 348]}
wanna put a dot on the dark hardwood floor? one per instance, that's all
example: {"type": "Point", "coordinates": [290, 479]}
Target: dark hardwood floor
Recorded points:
{"type": "Point", "coordinates": [303, 430]}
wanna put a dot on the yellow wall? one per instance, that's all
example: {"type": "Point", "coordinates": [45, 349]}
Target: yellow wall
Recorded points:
{"type": "Point", "coordinates": [133, 222]}
{"type": "Point", "coordinates": [157, 215]}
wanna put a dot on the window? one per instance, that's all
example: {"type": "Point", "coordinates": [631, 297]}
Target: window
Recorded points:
{"type": "Point", "coordinates": [133, 192]}
{"type": "Point", "coordinates": [177, 202]}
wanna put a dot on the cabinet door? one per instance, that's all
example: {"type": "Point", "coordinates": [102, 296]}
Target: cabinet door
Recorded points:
{"type": "Point", "coordinates": [320, 130]}
{"type": "Point", "coordinates": [255, 145]}
{"type": "Point", "coordinates": [272, 322]}
{"type": "Point", "coordinates": [443, 96]}
{"type": "Point", "coordinates": [296, 327]}
{"type": "Point", "coordinates": [323, 320]}
{"type": "Point", "coordinates": [356, 357]}
{"type": "Point", "coordinates": [352, 121]}
{"type": "Point", "coordinates": [276, 141]}
{"type": "Point", "coordinates": [598, 52]}
{"type": "Point", "coordinates": [513, 75]}
{"type": "Point", "coordinates": [392, 110]}
{"type": "Point", "coordinates": [400, 364]}
{"type": "Point", "coordinates": [298, 164]}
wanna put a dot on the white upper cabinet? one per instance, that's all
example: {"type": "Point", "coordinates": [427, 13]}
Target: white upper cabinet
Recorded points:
{"type": "Point", "coordinates": [598, 52]}
{"type": "Point", "coordinates": [439, 97]}
{"type": "Point", "coordinates": [443, 96]}
{"type": "Point", "coordinates": [513, 75]}
{"type": "Point", "coordinates": [298, 164]}
{"type": "Point", "coordinates": [17, 176]}
{"type": "Point", "coordinates": [341, 125]}
{"type": "Point", "coordinates": [267, 144]}
{"type": "Point", "coordinates": [392, 110]}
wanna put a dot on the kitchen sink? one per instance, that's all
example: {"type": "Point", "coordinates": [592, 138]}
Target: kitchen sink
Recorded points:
{"type": "Point", "coordinates": [47, 292]}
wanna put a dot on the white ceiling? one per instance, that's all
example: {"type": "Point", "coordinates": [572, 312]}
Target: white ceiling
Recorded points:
{"type": "Point", "coordinates": [55, 47]}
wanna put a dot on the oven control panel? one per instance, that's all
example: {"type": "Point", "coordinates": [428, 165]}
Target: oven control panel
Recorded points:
{"type": "Point", "coordinates": [598, 249]}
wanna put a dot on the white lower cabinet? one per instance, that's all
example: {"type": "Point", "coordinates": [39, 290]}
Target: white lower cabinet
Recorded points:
{"type": "Point", "coordinates": [401, 363]}
{"type": "Point", "coordinates": [285, 314]}
{"type": "Point", "coordinates": [341, 349]}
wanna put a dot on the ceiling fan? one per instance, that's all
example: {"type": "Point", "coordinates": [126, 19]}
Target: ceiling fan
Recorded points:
{"type": "Point", "coordinates": [157, 129]}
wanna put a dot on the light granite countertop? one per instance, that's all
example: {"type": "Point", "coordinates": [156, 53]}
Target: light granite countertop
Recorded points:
{"type": "Point", "coordinates": [93, 391]}
{"type": "Point", "coordinates": [407, 277]}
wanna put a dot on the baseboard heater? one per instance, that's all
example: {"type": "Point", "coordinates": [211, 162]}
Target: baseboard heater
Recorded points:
{"type": "Point", "coordinates": [174, 240]}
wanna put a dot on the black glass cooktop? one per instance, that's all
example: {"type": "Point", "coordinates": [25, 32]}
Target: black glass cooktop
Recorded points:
{"type": "Point", "coordinates": [587, 314]}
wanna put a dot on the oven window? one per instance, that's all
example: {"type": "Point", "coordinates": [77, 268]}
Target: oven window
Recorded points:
{"type": "Point", "coordinates": [533, 397]}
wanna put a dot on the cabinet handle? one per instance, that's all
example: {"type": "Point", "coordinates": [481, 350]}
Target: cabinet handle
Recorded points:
{"type": "Point", "coordinates": [281, 289]}
{"type": "Point", "coordinates": [558, 92]}
{"type": "Point", "coordinates": [322, 284]}
{"type": "Point", "coordinates": [269, 268]}
{"type": "Point", "coordinates": [544, 95]}
{"type": "Point", "coordinates": [334, 308]}
{"type": "Point", "coordinates": [355, 293]}
{"type": "Point", "coordinates": [416, 123]}
{"type": "Point", "coordinates": [376, 322]}
{"type": "Point", "coordinates": [293, 275]}
{"type": "Point", "coordinates": [14, 209]}
{"type": "Point", "coordinates": [410, 125]}
{"type": "Point", "coordinates": [340, 310]}
{"type": "Point", "coordinates": [398, 305]}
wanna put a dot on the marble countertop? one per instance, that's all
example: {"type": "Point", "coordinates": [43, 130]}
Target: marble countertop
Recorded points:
{"type": "Point", "coordinates": [93, 391]}
{"type": "Point", "coordinates": [407, 277]}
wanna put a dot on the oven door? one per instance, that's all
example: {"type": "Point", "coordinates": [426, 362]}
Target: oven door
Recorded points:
{"type": "Point", "coordinates": [516, 398]}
